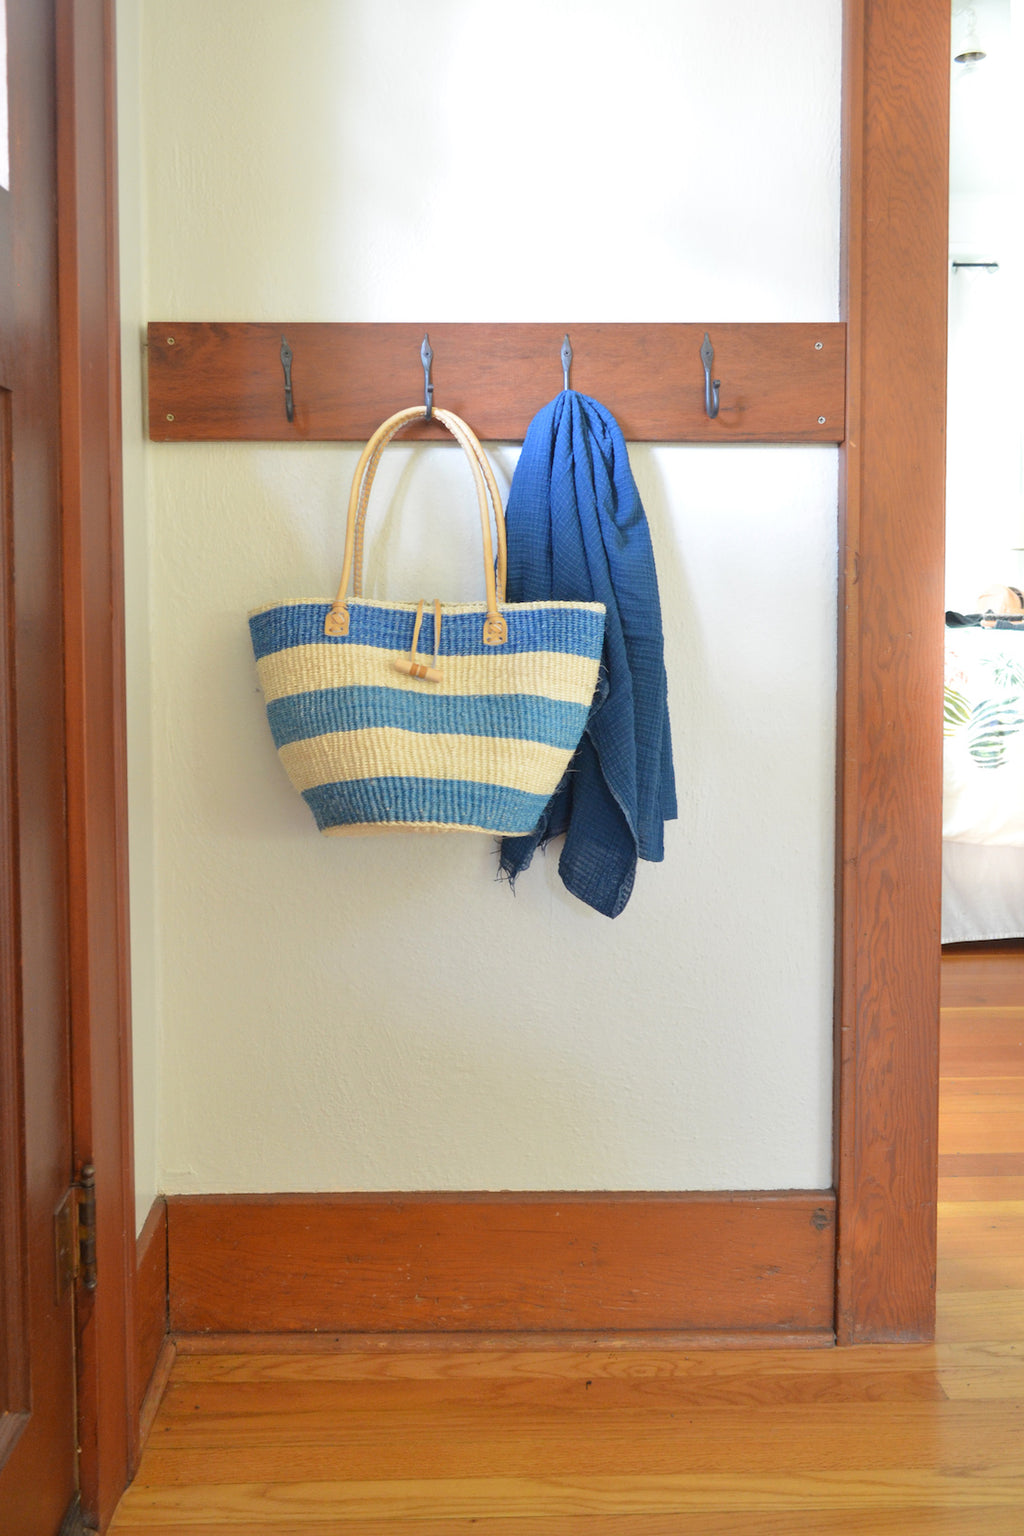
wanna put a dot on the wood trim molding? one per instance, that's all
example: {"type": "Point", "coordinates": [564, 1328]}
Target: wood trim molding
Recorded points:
{"type": "Point", "coordinates": [15, 1381]}
{"type": "Point", "coordinates": [495, 1263]}
{"type": "Point", "coordinates": [96, 779]}
{"type": "Point", "coordinates": [150, 1301]}
{"type": "Point", "coordinates": [895, 200]}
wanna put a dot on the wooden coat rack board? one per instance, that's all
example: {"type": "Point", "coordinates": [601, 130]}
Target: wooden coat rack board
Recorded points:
{"type": "Point", "coordinates": [216, 382]}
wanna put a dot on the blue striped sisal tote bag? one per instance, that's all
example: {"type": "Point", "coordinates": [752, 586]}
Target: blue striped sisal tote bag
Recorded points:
{"type": "Point", "coordinates": [473, 732]}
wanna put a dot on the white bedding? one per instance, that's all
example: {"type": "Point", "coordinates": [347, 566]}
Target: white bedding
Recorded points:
{"type": "Point", "coordinates": [982, 892]}
{"type": "Point", "coordinates": [983, 785]}
{"type": "Point", "coordinates": [983, 776]}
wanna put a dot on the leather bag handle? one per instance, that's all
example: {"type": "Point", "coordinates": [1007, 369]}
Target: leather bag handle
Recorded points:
{"type": "Point", "coordinates": [488, 497]}
{"type": "Point", "coordinates": [478, 459]}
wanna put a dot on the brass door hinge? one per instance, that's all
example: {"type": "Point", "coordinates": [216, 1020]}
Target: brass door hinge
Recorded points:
{"type": "Point", "coordinates": [75, 1234]}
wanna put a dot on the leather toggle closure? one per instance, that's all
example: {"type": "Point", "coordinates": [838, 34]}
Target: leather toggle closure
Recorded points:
{"type": "Point", "coordinates": [418, 669]}
{"type": "Point", "coordinates": [411, 665]}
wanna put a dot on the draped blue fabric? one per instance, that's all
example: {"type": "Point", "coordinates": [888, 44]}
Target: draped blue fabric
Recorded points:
{"type": "Point", "coordinates": [577, 530]}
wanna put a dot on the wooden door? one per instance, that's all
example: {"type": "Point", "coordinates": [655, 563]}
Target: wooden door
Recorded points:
{"type": "Point", "coordinates": [38, 1473]}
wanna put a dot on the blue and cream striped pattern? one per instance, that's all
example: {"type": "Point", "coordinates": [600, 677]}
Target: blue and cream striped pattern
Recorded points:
{"type": "Point", "coordinates": [482, 751]}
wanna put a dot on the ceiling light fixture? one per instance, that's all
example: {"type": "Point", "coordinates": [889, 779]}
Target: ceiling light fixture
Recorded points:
{"type": "Point", "coordinates": [971, 51]}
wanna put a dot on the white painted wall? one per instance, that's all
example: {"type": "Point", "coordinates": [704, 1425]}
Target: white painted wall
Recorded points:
{"type": "Point", "coordinates": [382, 1013]}
{"type": "Point", "coordinates": [985, 442]}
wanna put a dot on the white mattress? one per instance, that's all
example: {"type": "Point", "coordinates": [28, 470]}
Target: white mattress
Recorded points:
{"type": "Point", "coordinates": [982, 892]}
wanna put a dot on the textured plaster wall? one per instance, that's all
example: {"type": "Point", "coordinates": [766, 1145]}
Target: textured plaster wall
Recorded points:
{"type": "Point", "coordinates": [382, 1013]}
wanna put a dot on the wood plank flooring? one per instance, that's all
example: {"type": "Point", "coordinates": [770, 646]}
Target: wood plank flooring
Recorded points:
{"type": "Point", "coordinates": [601, 1441]}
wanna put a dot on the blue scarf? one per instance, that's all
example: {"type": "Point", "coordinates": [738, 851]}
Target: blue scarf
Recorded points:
{"type": "Point", "coordinates": [577, 531]}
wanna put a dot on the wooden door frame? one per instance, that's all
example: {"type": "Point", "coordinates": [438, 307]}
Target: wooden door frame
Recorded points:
{"type": "Point", "coordinates": [95, 702]}
{"type": "Point", "coordinates": [896, 79]}
{"type": "Point", "coordinates": [895, 197]}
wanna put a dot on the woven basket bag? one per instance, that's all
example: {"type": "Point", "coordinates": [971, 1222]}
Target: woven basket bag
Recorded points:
{"type": "Point", "coordinates": [472, 733]}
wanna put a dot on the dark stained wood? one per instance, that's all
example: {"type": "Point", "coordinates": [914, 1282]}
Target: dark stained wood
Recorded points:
{"type": "Point", "coordinates": [379, 1263]}
{"type": "Point", "coordinates": [95, 704]}
{"type": "Point", "coordinates": [14, 1365]}
{"type": "Point", "coordinates": [38, 1471]}
{"type": "Point", "coordinates": [219, 381]}
{"type": "Point", "coordinates": [14, 1361]}
{"type": "Point", "coordinates": [895, 155]}
{"type": "Point", "coordinates": [150, 1299]}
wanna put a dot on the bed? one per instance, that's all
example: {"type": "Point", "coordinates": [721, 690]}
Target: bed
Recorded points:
{"type": "Point", "coordinates": [983, 780]}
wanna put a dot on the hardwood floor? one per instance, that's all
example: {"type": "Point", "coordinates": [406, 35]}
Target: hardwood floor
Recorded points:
{"type": "Point", "coordinates": [499, 1441]}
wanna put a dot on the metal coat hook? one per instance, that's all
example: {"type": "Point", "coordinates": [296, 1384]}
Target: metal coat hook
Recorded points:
{"type": "Point", "coordinates": [286, 364]}
{"type": "Point", "coordinates": [566, 356]}
{"type": "Point", "coordinates": [711, 386]}
{"type": "Point", "coordinates": [427, 358]}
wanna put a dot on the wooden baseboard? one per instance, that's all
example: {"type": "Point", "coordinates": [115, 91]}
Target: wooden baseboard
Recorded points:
{"type": "Point", "coordinates": [709, 1264]}
{"type": "Point", "coordinates": [150, 1301]}
{"type": "Point", "coordinates": [157, 1387]}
